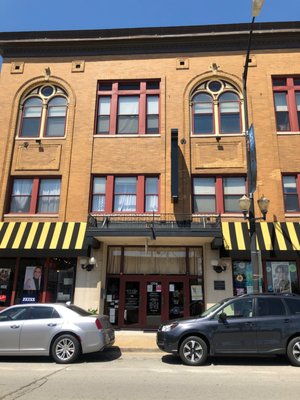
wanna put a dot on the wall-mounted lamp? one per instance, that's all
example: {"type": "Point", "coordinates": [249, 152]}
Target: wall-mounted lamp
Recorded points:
{"type": "Point", "coordinates": [88, 264]}
{"type": "Point", "coordinates": [218, 267]}
{"type": "Point", "coordinates": [25, 144]}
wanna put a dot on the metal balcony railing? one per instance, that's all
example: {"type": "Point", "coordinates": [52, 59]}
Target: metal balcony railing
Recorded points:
{"type": "Point", "coordinates": [155, 220]}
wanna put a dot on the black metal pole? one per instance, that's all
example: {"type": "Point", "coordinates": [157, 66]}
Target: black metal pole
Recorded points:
{"type": "Point", "coordinates": [251, 216]}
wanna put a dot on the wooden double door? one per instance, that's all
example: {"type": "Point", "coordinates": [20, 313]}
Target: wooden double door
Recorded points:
{"type": "Point", "coordinates": [148, 300]}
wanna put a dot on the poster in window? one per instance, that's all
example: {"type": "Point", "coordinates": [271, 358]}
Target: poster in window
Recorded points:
{"type": "Point", "coordinates": [32, 280]}
{"type": "Point", "coordinates": [4, 277]}
{"type": "Point", "coordinates": [281, 277]}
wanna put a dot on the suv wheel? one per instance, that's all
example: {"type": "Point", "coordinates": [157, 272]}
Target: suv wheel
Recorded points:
{"type": "Point", "coordinates": [193, 351]}
{"type": "Point", "coordinates": [65, 349]}
{"type": "Point", "coordinates": [293, 351]}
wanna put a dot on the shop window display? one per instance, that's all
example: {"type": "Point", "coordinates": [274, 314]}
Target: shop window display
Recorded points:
{"type": "Point", "coordinates": [243, 278]}
{"type": "Point", "coordinates": [7, 268]}
{"type": "Point", "coordinates": [282, 277]}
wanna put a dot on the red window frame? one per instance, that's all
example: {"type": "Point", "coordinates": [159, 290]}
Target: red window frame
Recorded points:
{"type": "Point", "coordinates": [290, 88]}
{"type": "Point", "coordinates": [115, 93]}
{"type": "Point", "coordinates": [110, 194]}
{"type": "Point", "coordinates": [297, 179]}
{"type": "Point", "coordinates": [35, 196]}
{"type": "Point", "coordinates": [219, 192]}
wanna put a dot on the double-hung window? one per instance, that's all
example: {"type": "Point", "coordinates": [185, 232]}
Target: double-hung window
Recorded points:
{"type": "Point", "coordinates": [35, 195]}
{"type": "Point", "coordinates": [43, 113]}
{"type": "Point", "coordinates": [216, 109]}
{"type": "Point", "coordinates": [128, 194]}
{"type": "Point", "coordinates": [126, 108]}
{"type": "Point", "coordinates": [291, 192]}
{"type": "Point", "coordinates": [287, 103]}
{"type": "Point", "coordinates": [217, 194]}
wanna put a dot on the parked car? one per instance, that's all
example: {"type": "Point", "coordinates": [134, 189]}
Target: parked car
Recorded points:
{"type": "Point", "coordinates": [63, 331]}
{"type": "Point", "coordinates": [249, 324]}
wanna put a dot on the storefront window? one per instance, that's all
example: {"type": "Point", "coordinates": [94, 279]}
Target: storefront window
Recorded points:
{"type": "Point", "coordinates": [7, 268]}
{"type": "Point", "coordinates": [243, 278]}
{"type": "Point", "coordinates": [282, 277]}
{"type": "Point", "coordinates": [30, 280]}
{"type": "Point", "coordinates": [114, 260]}
{"type": "Point", "coordinates": [60, 282]}
{"type": "Point", "coordinates": [195, 261]}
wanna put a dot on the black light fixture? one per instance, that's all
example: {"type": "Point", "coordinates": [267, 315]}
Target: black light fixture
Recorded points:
{"type": "Point", "coordinates": [88, 264]}
{"type": "Point", "coordinates": [263, 204]}
{"type": "Point", "coordinates": [218, 267]}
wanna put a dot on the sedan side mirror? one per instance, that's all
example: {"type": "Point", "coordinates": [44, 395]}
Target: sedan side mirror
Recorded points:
{"type": "Point", "coordinates": [222, 317]}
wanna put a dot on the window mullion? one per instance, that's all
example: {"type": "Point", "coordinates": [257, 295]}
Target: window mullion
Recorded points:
{"type": "Point", "coordinates": [292, 107]}
{"type": "Point", "coordinates": [140, 194]}
{"type": "Point", "coordinates": [113, 114]}
{"type": "Point", "coordinates": [219, 195]}
{"type": "Point", "coordinates": [34, 196]}
{"type": "Point", "coordinates": [216, 117]}
{"type": "Point", "coordinates": [43, 120]}
{"type": "Point", "coordinates": [109, 195]}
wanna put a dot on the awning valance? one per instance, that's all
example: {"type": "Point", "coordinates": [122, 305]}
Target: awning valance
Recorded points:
{"type": "Point", "coordinates": [42, 238]}
{"type": "Point", "coordinates": [270, 236]}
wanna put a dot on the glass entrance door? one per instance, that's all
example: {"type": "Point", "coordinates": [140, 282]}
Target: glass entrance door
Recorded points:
{"type": "Point", "coordinates": [154, 303]}
{"type": "Point", "coordinates": [176, 300]}
{"type": "Point", "coordinates": [132, 303]}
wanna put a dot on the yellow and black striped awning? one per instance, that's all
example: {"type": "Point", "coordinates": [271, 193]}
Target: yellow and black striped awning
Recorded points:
{"type": "Point", "coordinates": [270, 236]}
{"type": "Point", "coordinates": [42, 237]}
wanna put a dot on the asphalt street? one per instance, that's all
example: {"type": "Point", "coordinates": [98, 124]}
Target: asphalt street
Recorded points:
{"type": "Point", "coordinates": [113, 375]}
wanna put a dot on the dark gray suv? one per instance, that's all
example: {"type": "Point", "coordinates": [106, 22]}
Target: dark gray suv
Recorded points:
{"type": "Point", "coordinates": [248, 324]}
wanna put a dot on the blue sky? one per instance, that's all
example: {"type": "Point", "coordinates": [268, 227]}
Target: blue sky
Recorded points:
{"type": "Point", "coordinates": [37, 15]}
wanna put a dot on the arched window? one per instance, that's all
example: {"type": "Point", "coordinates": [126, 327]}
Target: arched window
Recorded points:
{"type": "Point", "coordinates": [229, 108]}
{"type": "Point", "coordinates": [216, 108]}
{"type": "Point", "coordinates": [43, 113]}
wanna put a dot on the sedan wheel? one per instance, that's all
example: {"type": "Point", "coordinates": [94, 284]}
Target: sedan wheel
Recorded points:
{"type": "Point", "coordinates": [65, 349]}
{"type": "Point", "coordinates": [193, 351]}
{"type": "Point", "coordinates": [293, 351]}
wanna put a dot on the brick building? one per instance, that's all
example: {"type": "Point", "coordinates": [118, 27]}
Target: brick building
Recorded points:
{"type": "Point", "coordinates": [123, 157]}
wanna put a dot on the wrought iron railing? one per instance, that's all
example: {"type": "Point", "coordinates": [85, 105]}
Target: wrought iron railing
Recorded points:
{"type": "Point", "coordinates": [168, 220]}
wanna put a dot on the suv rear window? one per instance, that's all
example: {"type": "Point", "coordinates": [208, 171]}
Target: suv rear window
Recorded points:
{"type": "Point", "coordinates": [293, 305]}
{"type": "Point", "coordinates": [270, 306]}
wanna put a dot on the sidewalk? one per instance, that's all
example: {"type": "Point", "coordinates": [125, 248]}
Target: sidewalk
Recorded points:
{"type": "Point", "coordinates": [136, 341]}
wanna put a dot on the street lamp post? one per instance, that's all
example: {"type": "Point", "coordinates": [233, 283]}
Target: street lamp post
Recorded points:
{"type": "Point", "coordinates": [251, 179]}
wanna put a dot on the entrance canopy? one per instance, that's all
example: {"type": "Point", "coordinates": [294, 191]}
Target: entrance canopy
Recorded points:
{"type": "Point", "coordinates": [271, 236]}
{"type": "Point", "coordinates": [42, 239]}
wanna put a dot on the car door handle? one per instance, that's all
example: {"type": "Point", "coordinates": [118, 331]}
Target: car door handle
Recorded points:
{"type": "Point", "coordinates": [286, 321]}
{"type": "Point", "coordinates": [251, 324]}
{"type": "Point", "coordinates": [15, 326]}
{"type": "Point", "coordinates": [52, 324]}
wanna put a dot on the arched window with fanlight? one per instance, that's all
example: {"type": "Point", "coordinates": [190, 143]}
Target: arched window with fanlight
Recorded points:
{"type": "Point", "coordinates": [43, 112]}
{"type": "Point", "coordinates": [216, 108]}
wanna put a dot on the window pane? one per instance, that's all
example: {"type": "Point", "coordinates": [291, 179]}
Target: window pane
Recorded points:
{"type": "Point", "coordinates": [104, 105]}
{"type": "Point", "coordinates": [152, 104]}
{"type": "Point", "coordinates": [58, 101]}
{"type": "Point", "coordinates": [30, 127]}
{"type": "Point", "coordinates": [129, 86]}
{"type": "Point", "coordinates": [280, 101]}
{"type": "Point", "coordinates": [229, 96]}
{"type": "Point", "coordinates": [282, 121]}
{"type": "Point", "coordinates": [128, 105]}
{"type": "Point", "coordinates": [230, 123]}
{"type": "Point", "coordinates": [291, 203]}
{"type": "Point", "coordinates": [205, 204]}
{"type": "Point", "coordinates": [151, 185]}
{"type": "Point", "coordinates": [231, 203]}
{"type": "Point", "coordinates": [103, 124]}
{"type": "Point", "coordinates": [49, 194]}
{"type": "Point", "coordinates": [99, 185]}
{"type": "Point", "coordinates": [279, 82]}
{"type": "Point", "coordinates": [229, 107]}
{"type": "Point", "coordinates": [21, 195]}
{"type": "Point", "coordinates": [204, 186]}
{"type": "Point", "coordinates": [152, 124]}
{"type": "Point", "coordinates": [125, 185]}
{"type": "Point", "coordinates": [151, 203]}
{"type": "Point", "coordinates": [98, 203]}
{"type": "Point", "coordinates": [203, 124]}
{"type": "Point", "coordinates": [128, 124]}
{"type": "Point", "coordinates": [234, 185]}
{"type": "Point", "coordinates": [203, 108]}
{"type": "Point", "coordinates": [202, 97]}
{"type": "Point", "coordinates": [32, 112]}
{"type": "Point", "coordinates": [289, 184]}
{"type": "Point", "coordinates": [125, 194]}
{"type": "Point", "coordinates": [152, 85]}
{"type": "Point", "coordinates": [298, 108]}
{"type": "Point", "coordinates": [55, 126]}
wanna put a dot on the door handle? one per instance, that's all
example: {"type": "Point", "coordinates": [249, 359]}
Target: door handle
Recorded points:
{"type": "Point", "coordinates": [52, 324]}
{"type": "Point", "coordinates": [286, 321]}
{"type": "Point", "coordinates": [251, 324]}
{"type": "Point", "coordinates": [15, 326]}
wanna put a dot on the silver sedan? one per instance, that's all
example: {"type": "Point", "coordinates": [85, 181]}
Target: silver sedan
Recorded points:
{"type": "Point", "coordinates": [63, 331]}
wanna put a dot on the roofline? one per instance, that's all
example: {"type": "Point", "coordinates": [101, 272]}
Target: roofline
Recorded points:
{"type": "Point", "coordinates": [149, 40]}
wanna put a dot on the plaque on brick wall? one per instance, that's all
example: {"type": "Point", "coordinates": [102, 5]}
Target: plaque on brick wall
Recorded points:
{"type": "Point", "coordinates": [219, 285]}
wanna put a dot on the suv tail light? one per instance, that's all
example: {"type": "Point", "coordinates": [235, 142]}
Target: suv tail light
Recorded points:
{"type": "Point", "coordinates": [98, 324]}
